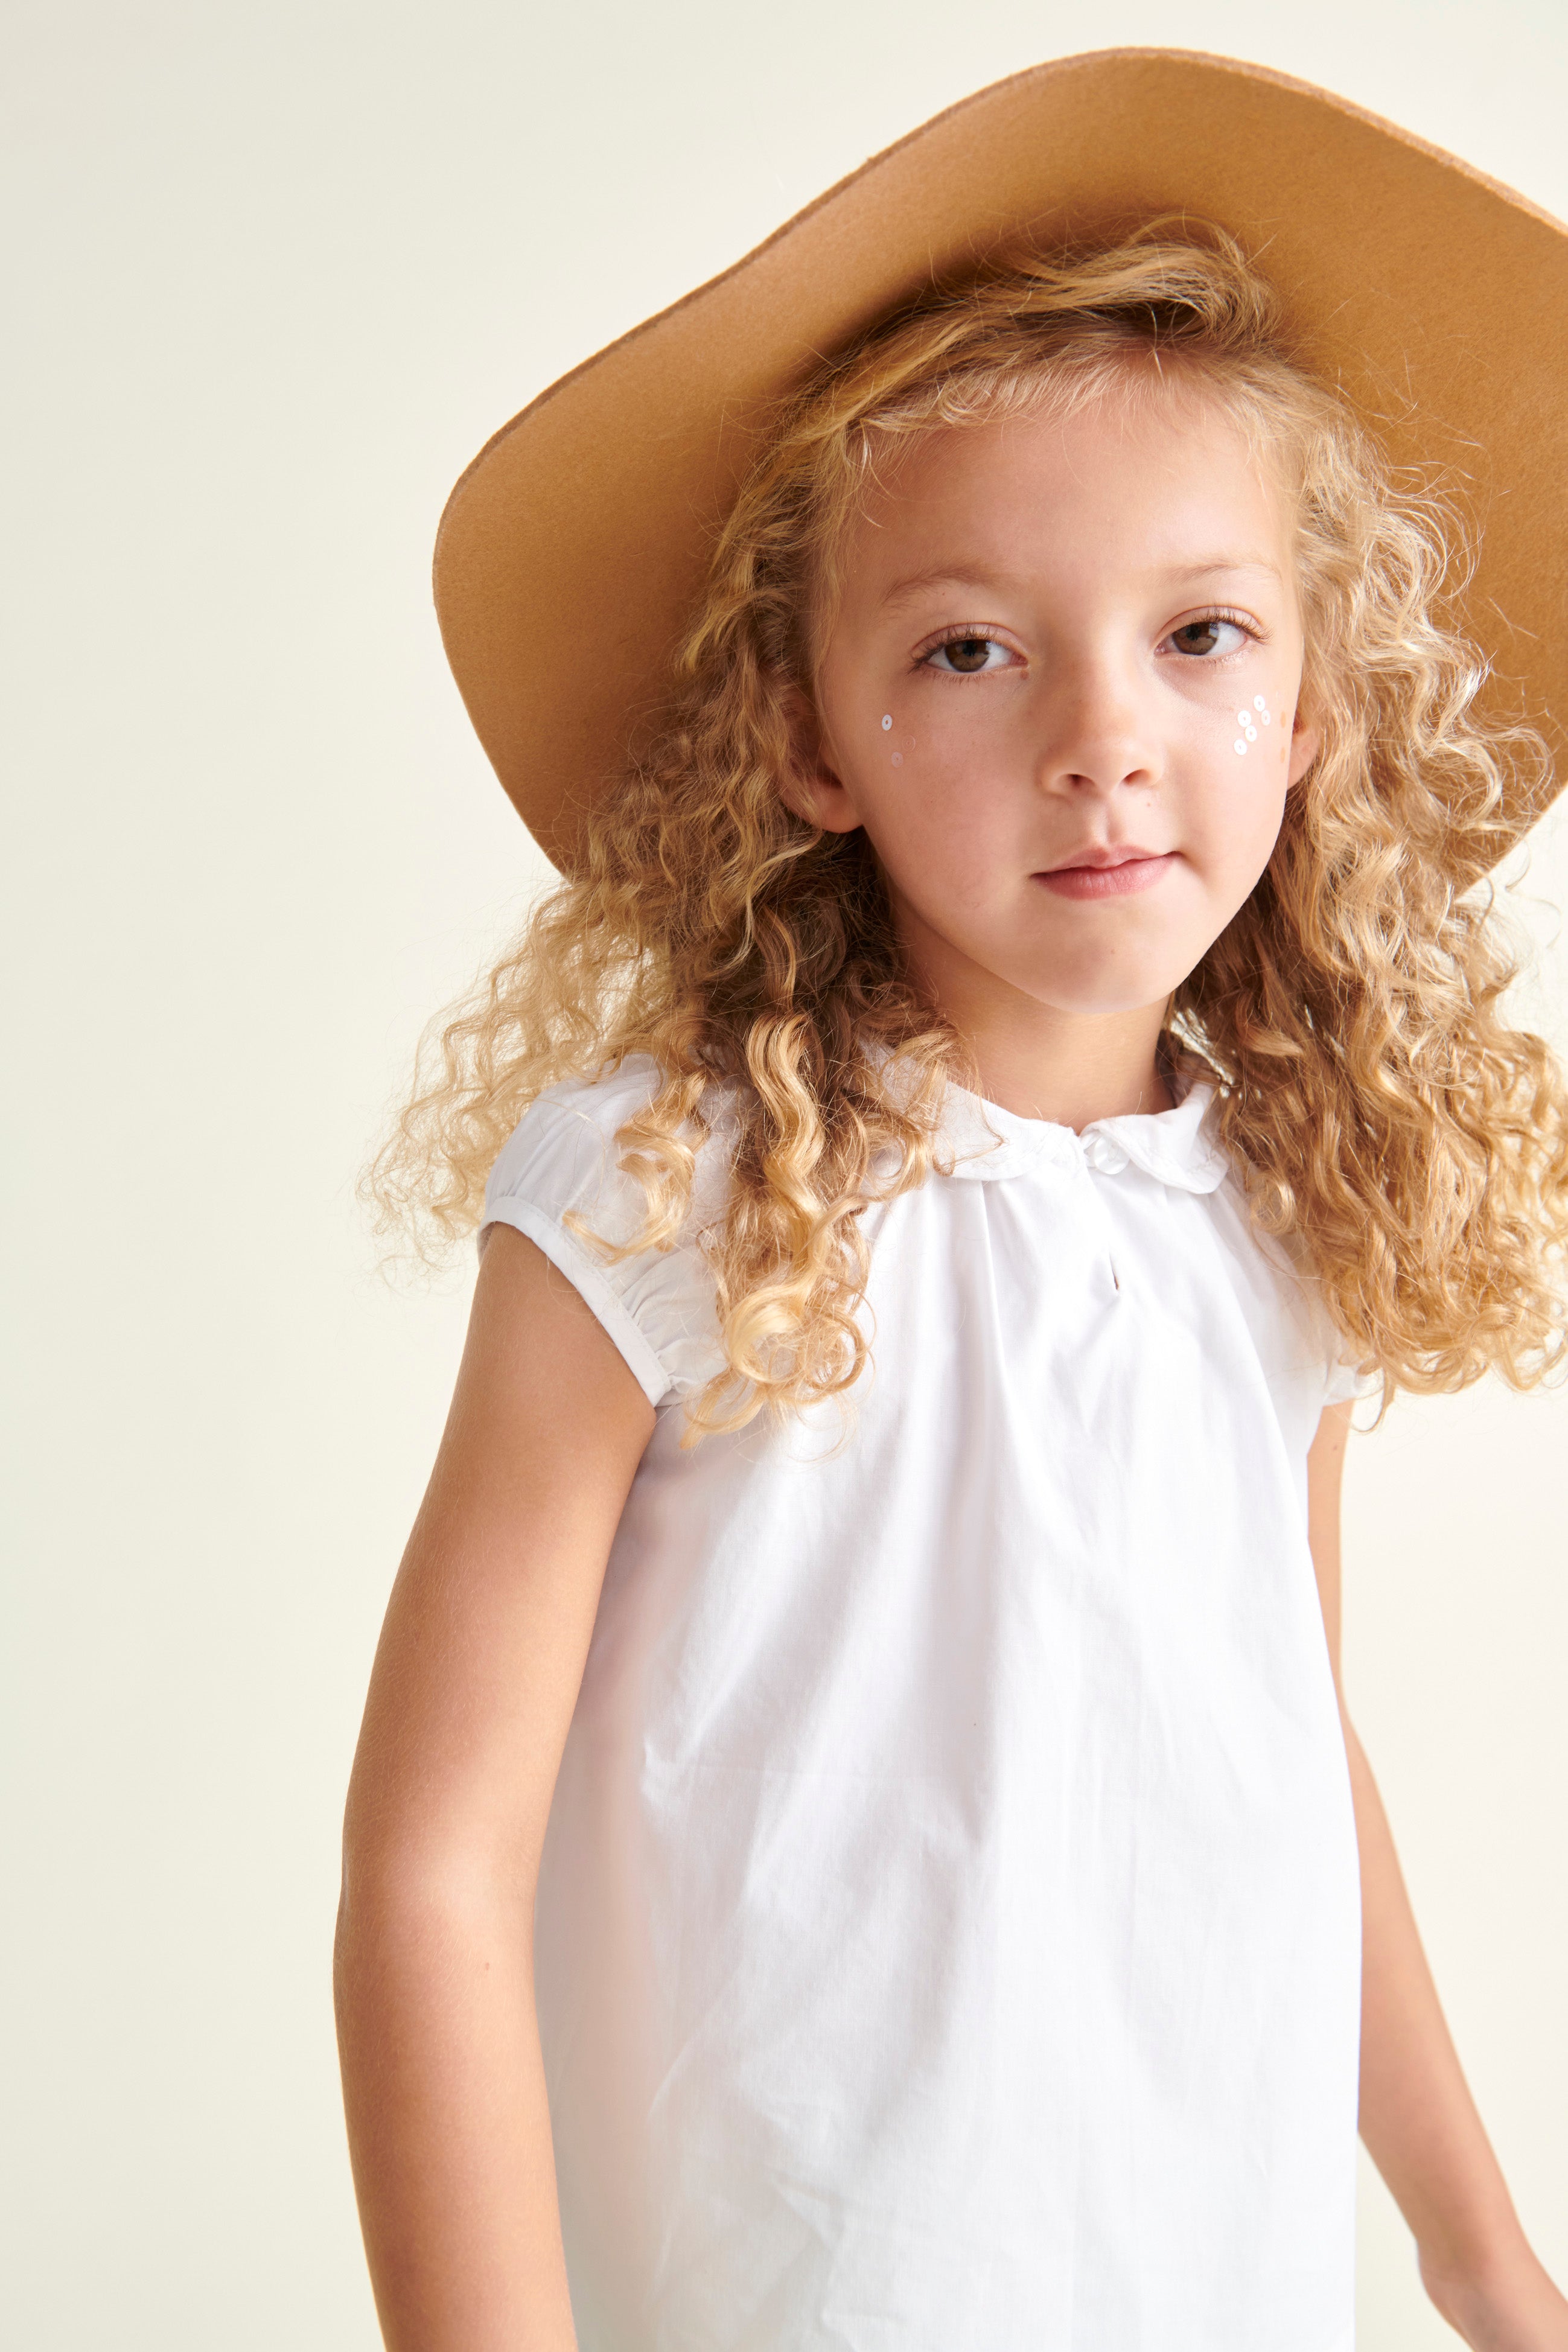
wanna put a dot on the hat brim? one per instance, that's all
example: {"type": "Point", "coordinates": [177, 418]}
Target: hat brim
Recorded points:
{"type": "Point", "coordinates": [1435, 298]}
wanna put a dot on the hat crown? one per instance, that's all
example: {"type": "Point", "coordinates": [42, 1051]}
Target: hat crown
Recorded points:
{"type": "Point", "coordinates": [1434, 300]}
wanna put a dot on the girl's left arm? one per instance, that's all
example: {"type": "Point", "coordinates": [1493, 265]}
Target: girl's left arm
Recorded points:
{"type": "Point", "coordinates": [1418, 2117]}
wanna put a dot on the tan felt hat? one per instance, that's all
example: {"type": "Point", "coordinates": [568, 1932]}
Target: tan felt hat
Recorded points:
{"type": "Point", "coordinates": [1437, 298]}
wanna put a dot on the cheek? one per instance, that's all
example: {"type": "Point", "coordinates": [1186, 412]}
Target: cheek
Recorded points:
{"type": "Point", "coordinates": [926, 810]}
{"type": "Point", "coordinates": [1237, 828]}
{"type": "Point", "coordinates": [1237, 790]}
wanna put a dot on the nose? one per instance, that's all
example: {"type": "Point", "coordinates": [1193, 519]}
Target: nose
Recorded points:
{"type": "Point", "coordinates": [1097, 735]}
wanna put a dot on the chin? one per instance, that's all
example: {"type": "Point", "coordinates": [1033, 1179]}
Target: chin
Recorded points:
{"type": "Point", "coordinates": [1101, 996]}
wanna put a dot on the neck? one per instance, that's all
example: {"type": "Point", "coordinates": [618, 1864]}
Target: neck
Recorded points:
{"type": "Point", "coordinates": [1039, 1061]}
{"type": "Point", "coordinates": [1071, 1068]}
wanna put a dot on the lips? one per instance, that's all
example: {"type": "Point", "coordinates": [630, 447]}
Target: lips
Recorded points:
{"type": "Point", "coordinates": [1106, 873]}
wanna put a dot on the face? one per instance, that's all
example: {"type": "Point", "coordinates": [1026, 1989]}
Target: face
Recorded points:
{"type": "Point", "coordinates": [1059, 694]}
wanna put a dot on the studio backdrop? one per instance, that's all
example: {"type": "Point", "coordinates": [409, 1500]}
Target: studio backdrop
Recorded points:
{"type": "Point", "coordinates": [276, 272]}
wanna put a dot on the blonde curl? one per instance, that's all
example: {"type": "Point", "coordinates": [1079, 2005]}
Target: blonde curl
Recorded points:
{"type": "Point", "coordinates": [1390, 1127]}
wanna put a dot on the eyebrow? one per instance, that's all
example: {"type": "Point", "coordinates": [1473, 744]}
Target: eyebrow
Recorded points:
{"type": "Point", "coordinates": [945, 575]}
{"type": "Point", "coordinates": [1213, 564]}
{"type": "Point", "coordinates": [978, 575]}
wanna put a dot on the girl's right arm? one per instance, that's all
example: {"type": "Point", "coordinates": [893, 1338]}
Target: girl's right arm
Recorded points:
{"type": "Point", "coordinates": [474, 1685]}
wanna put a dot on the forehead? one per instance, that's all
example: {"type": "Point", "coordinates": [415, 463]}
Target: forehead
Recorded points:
{"type": "Point", "coordinates": [1148, 478]}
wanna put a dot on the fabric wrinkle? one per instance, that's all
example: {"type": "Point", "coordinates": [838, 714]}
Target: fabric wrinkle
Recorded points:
{"type": "Point", "coordinates": [949, 1935]}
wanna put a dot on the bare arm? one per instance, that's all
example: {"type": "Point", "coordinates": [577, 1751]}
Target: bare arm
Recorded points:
{"type": "Point", "coordinates": [476, 1677]}
{"type": "Point", "coordinates": [1418, 2120]}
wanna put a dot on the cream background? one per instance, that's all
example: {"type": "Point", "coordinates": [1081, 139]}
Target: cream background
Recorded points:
{"type": "Point", "coordinates": [278, 271]}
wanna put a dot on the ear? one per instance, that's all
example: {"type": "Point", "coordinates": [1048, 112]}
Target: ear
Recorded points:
{"type": "Point", "coordinates": [1306, 742]}
{"type": "Point", "coordinates": [812, 788]}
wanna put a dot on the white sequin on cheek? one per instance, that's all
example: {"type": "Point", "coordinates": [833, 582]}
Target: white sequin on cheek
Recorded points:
{"type": "Point", "coordinates": [887, 722]}
{"type": "Point", "coordinates": [897, 759]}
{"type": "Point", "coordinates": [1241, 747]}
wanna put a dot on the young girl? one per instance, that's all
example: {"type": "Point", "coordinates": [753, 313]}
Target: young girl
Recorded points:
{"type": "Point", "coordinates": [857, 1842]}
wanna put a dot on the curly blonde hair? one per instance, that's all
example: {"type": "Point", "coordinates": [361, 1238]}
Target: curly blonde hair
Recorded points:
{"type": "Point", "coordinates": [1390, 1127]}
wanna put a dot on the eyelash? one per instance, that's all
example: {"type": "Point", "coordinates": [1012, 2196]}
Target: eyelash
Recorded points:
{"type": "Point", "coordinates": [1217, 613]}
{"type": "Point", "coordinates": [958, 636]}
{"type": "Point", "coordinates": [967, 633]}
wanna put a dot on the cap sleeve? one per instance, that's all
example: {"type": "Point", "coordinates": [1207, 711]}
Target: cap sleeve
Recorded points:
{"type": "Point", "coordinates": [1344, 1381]}
{"type": "Point", "coordinates": [562, 1159]}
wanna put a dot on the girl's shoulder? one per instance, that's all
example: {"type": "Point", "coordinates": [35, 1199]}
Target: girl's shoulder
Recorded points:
{"type": "Point", "coordinates": [558, 1180]}
{"type": "Point", "coordinates": [568, 1140]}
{"type": "Point", "coordinates": [1281, 1298]}
{"type": "Point", "coordinates": [584, 1110]}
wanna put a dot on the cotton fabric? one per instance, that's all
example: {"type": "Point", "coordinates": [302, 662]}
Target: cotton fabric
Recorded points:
{"type": "Point", "coordinates": [948, 1931]}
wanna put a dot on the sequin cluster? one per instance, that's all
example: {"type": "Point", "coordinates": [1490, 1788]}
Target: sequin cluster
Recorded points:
{"type": "Point", "coordinates": [1244, 720]}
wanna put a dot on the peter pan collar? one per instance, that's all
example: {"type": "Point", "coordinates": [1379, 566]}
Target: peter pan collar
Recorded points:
{"type": "Point", "coordinates": [1176, 1147]}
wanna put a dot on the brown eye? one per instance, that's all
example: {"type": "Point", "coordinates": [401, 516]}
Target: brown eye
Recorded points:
{"type": "Point", "coordinates": [1196, 637]}
{"type": "Point", "coordinates": [967, 654]}
{"type": "Point", "coordinates": [1214, 635]}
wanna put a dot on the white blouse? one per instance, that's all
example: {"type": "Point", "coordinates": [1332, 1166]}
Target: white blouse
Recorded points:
{"type": "Point", "coordinates": [948, 1933]}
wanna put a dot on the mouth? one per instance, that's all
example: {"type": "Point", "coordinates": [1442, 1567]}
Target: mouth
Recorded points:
{"type": "Point", "coordinates": [1107, 873]}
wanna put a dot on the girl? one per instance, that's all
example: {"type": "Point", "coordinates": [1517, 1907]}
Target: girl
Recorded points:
{"type": "Point", "coordinates": [857, 1840]}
